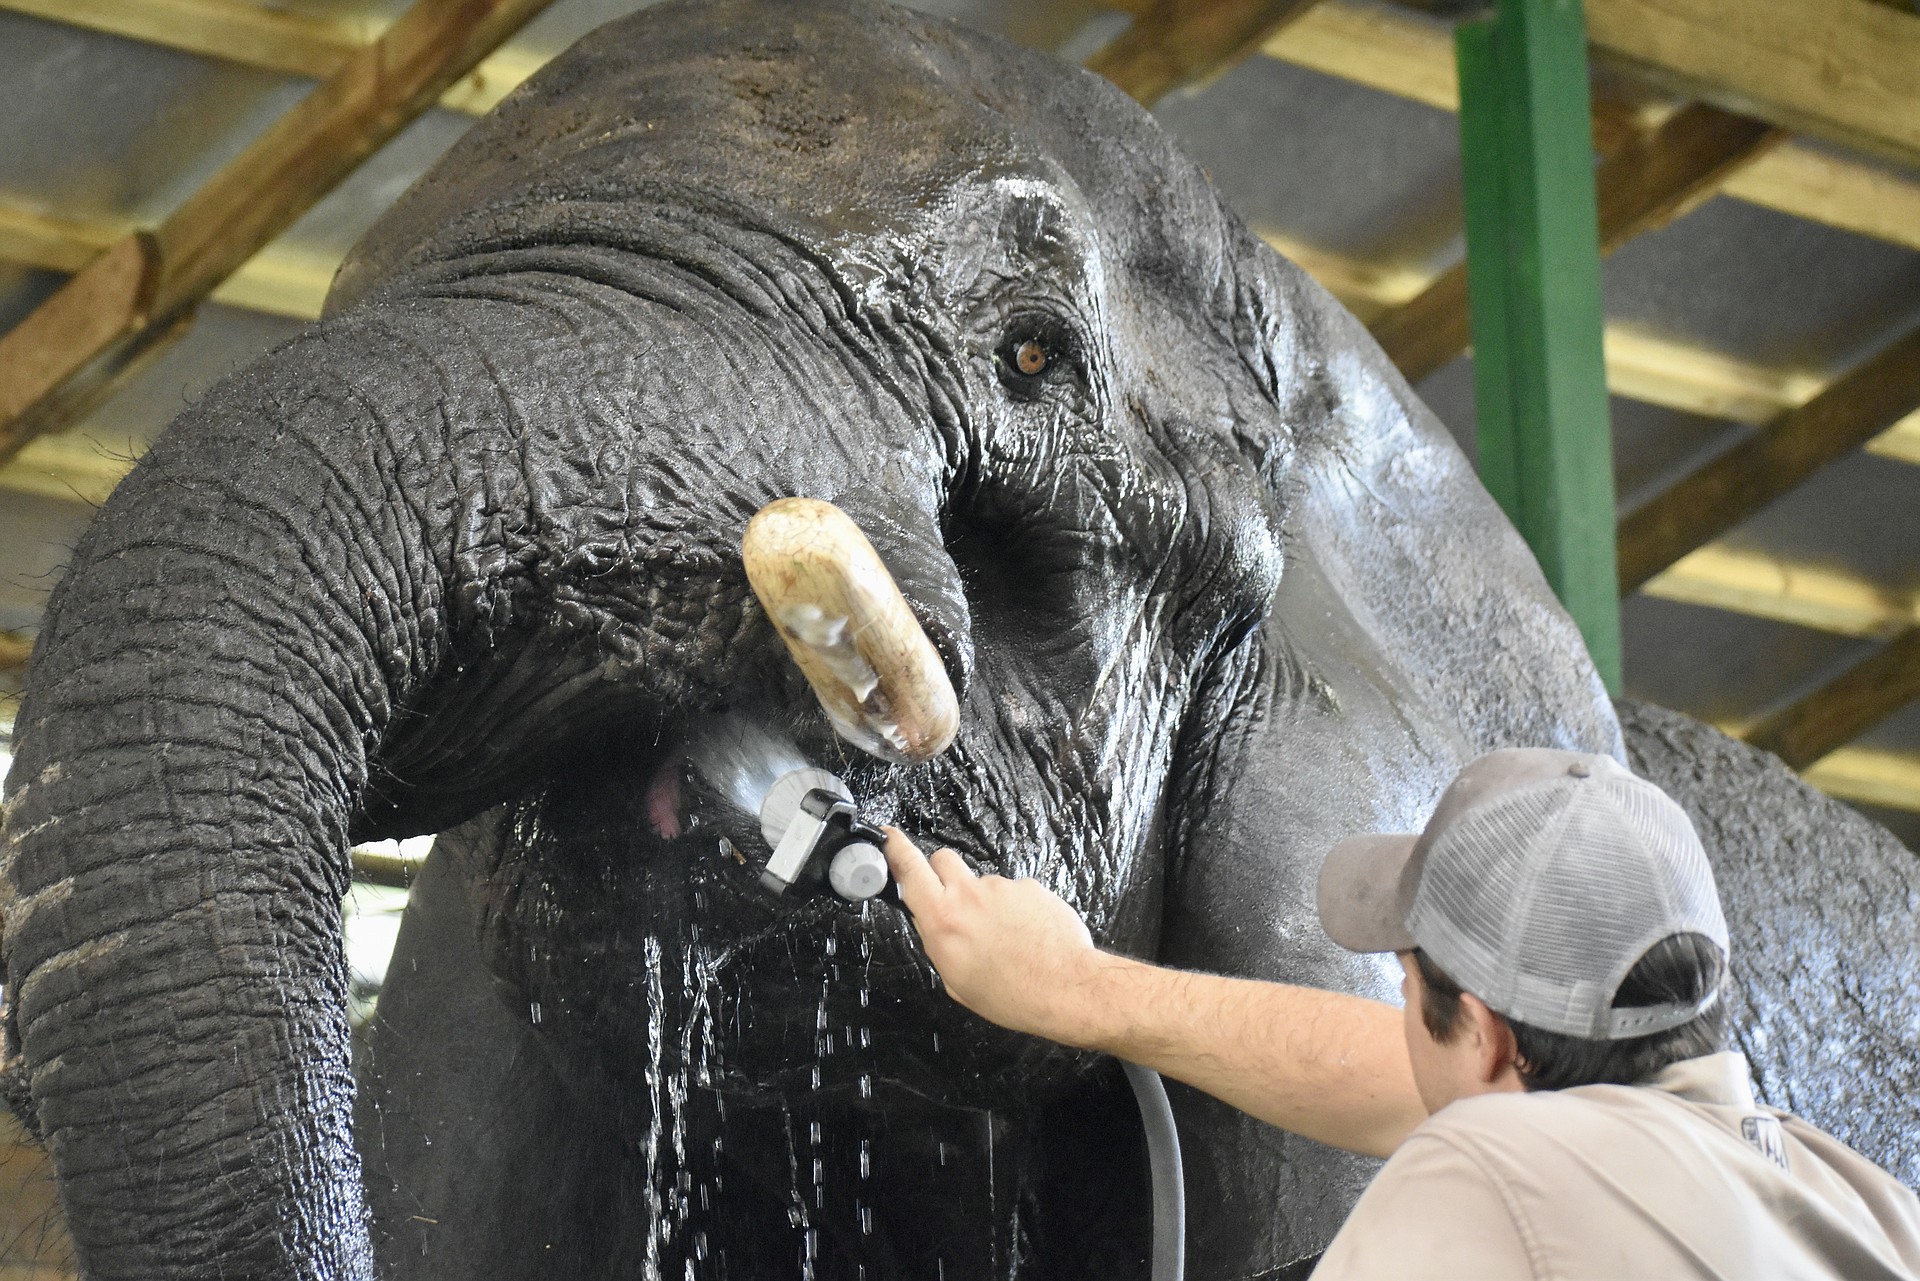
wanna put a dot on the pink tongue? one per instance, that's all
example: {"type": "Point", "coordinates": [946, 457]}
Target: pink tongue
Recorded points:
{"type": "Point", "coordinates": [663, 799]}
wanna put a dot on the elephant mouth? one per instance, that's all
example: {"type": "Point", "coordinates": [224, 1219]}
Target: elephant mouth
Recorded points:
{"type": "Point", "coordinates": [705, 791]}
{"type": "Point", "coordinates": [880, 681]}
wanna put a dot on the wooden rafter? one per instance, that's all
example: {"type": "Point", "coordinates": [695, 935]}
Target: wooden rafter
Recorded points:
{"type": "Point", "coordinates": [1173, 44]}
{"type": "Point", "coordinates": [271, 39]}
{"type": "Point", "coordinates": [1651, 180]}
{"type": "Point", "coordinates": [1394, 52]}
{"type": "Point", "coordinates": [1762, 586]}
{"type": "Point", "coordinates": [1846, 706]}
{"type": "Point", "coordinates": [1844, 70]}
{"type": "Point", "coordinates": [279, 280]}
{"type": "Point", "coordinates": [1412, 57]}
{"type": "Point", "coordinates": [1640, 365]}
{"type": "Point", "coordinates": [1887, 779]}
{"type": "Point", "coordinates": [75, 346]}
{"type": "Point", "coordinates": [1843, 416]}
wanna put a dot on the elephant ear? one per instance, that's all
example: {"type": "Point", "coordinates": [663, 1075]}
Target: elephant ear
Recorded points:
{"type": "Point", "coordinates": [1412, 630]}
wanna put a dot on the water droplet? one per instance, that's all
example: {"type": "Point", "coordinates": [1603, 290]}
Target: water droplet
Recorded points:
{"type": "Point", "coordinates": [863, 998]}
{"type": "Point", "coordinates": [866, 1086]}
{"type": "Point", "coordinates": [700, 1245]}
{"type": "Point", "coordinates": [866, 1037]}
{"type": "Point", "coordinates": [534, 1011]}
{"type": "Point", "coordinates": [819, 1171]}
{"type": "Point", "coordinates": [866, 1222]}
{"type": "Point", "coordinates": [814, 1133]}
{"type": "Point", "coordinates": [816, 1076]}
{"type": "Point", "coordinates": [866, 1158]}
{"type": "Point", "coordinates": [833, 945]}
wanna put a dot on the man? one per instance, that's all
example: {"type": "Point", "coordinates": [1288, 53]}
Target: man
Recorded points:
{"type": "Point", "coordinates": [1552, 1097]}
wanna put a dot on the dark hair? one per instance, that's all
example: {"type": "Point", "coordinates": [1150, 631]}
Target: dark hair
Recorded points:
{"type": "Point", "coordinates": [1680, 967]}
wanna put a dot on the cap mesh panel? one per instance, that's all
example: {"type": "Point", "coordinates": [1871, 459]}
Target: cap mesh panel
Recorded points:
{"type": "Point", "coordinates": [1540, 900]}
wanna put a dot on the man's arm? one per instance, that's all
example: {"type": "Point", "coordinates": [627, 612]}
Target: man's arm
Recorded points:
{"type": "Point", "coordinates": [1326, 1065]}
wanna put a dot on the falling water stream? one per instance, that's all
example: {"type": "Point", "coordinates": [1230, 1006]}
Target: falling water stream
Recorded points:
{"type": "Point", "coordinates": [734, 761]}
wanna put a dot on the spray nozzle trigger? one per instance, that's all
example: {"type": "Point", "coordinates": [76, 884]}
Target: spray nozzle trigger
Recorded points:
{"type": "Point", "coordinates": [817, 838]}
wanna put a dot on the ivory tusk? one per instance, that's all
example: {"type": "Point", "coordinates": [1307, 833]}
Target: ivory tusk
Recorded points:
{"type": "Point", "coordinates": [878, 677]}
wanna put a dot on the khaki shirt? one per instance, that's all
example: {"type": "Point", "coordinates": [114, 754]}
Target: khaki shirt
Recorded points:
{"type": "Point", "coordinates": [1682, 1177]}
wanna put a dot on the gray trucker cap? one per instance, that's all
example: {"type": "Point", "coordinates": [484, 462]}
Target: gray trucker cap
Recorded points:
{"type": "Point", "coordinates": [1541, 878]}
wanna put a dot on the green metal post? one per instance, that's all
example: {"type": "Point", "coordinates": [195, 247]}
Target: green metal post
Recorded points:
{"type": "Point", "coordinates": [1533, 278]}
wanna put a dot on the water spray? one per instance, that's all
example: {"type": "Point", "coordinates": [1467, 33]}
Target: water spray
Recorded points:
{"type": "Point", "coordinates": [807, 817]}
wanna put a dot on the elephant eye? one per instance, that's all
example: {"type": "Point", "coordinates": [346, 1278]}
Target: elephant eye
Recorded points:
{"type": "Point", "coordinates": [1030, 357]}
{"type": "Point", "coordinates": [1033, 357]}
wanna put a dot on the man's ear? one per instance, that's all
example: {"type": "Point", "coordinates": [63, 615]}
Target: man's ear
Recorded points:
{"type": "Point", "coordinates": [1496, 1052]}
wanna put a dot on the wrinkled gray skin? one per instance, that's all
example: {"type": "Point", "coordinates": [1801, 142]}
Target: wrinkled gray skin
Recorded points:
{"type": "Point", "coordinates": [1215, 588]}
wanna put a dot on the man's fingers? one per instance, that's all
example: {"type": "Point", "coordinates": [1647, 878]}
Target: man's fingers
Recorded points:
{"type": "Point", "coordinates": [911, 872]}
{"type": "Point", "coordinates": [951, 868]}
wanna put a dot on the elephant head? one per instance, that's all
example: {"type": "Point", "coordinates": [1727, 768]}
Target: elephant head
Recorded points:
{"type": "Point", "coordinates": [1212, 585]}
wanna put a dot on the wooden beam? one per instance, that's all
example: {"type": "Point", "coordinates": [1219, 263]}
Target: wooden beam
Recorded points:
{"type": "Point", "coordinates": [1425, 333]}
{"type": "Point", "coordinates": [14, 650]}
{"type": "Point", "coordinates": [1666, 172]}
{"type": "Point", "coordinates": [1846, 706]}
{"type": "Point", "coordinates": [271, 39]}
{"type": "Point", "coordinates": [1821, 187]}
{"type": "Point", "coordinates": [1900, 442]}
{"type": "Point", "coordinates": [81, 340]}
{"type": "Point", "coordinates": [1890, 780]}
{"type": "Point", "coordinates": [1763, 586]}
{"type": "Point", "coordinates": [1174, 44]}
{"type": "Point", "coordinates": [1844, 70]}
{"type": "Point", "coordinates": [1645, 367]}
{"type": "Point", "coordinates": [1842, 417]}
{"type": "Point", "coordinates": [1650, 181]}
{"type": "Point", "coordinates": [1640, 365]}
{"type": "Point", "coordinates": [1410, 56]}
{"type": "Point", "coordinates": [279, 280]}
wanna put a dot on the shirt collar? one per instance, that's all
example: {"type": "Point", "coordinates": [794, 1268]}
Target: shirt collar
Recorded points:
{"type": "Point", "coordinates": [1712, 1078]}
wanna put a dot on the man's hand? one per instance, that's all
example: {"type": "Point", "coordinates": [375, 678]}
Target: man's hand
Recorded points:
{"type": "Point", "coordinates": [1329, 1066]}
{"type": "Point", "coordinates": [1013, 952]}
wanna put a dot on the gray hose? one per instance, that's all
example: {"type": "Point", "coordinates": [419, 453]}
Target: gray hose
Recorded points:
{"type": "Point", "coordinates": [1169, 1186]}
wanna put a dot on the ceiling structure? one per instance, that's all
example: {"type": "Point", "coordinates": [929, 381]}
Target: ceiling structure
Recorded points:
{"type": "Point", "coordinates": [179, 178]}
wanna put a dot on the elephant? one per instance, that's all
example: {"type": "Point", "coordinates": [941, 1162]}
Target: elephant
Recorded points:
{"type": "Point", "coordinates": [1210, 584]}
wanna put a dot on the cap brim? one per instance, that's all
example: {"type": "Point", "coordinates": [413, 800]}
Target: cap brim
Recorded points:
{"type": "Point", "coordinates": [1362, 902]}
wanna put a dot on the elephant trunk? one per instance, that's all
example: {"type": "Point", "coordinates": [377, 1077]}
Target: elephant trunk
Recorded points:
{"type": "Point", "coordinates": [842, 617]}
{"type": "Point", "coordinates": [226, 646]}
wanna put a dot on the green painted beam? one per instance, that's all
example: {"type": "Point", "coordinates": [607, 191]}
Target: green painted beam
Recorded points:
{"type": "Point", "coordinates": [1533, 282]}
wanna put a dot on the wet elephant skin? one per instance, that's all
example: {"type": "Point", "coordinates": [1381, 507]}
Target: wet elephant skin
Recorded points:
{"type": "Point", "coordinates": [1215, 589]}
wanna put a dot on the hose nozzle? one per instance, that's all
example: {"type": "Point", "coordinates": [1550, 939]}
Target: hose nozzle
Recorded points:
{"type": "Point", "coordinates": [817, 838]}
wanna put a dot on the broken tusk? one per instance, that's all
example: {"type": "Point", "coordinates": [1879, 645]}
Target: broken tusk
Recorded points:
{"type": "Point", "coordinates": [878, 677]}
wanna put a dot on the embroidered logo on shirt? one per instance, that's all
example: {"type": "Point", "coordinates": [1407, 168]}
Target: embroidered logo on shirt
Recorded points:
{"type": "Point", "coordinates": [1765, 1134]}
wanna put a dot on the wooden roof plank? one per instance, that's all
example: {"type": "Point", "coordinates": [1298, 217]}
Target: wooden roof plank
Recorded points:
{"type": "Point", "coordinates": [1758, 585]}
{"type": "Point", "coordinates": [1652, 179]}
{"type": "Point", "coordinates": [1412, 57]}
{"type": "Point", "coordinates": [253, 35]}
{"type": "Point", "coordinates": [1846, 706]}
{"type": "Point", "coordinates": [1844, 70]}
{"type": "Point", "coordinates": [1869, 777]}
{"type": "Point", "coordinates": [231, 30]}
{"type": "Point", "coordinates": [1174, 44]}
{"type": "Point", "coordinates": [298, 159]}
{"type": "Point", "coordinates": [1845, 414]}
